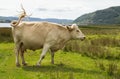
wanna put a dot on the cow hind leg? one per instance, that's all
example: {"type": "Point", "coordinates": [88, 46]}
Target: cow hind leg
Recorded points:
{"type": "Point", "coordinates": [44, 51]}
{"type": "Point", "coordinates": [17, 48]}
{"type": "Point", "coordinates": [22, 54]}
{"type": "Point", "coordinates": [22, 57]}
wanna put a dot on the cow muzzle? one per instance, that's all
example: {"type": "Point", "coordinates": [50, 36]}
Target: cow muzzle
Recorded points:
{"type": "Point", "coordinates": [83, 38]}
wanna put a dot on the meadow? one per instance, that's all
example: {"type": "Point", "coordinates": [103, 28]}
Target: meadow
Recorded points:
{"type": "Point", "coordinates": [97, 57]}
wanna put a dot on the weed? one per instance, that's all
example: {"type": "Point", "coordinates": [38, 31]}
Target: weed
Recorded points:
{"type": "Point", "coordinates": [112, 68]}
{"type": "Point", "coordinates": [101, 66]}
{"type": "Point", "coordinates": [71, 76]}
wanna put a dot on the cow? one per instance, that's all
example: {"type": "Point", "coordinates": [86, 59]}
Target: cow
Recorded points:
{"type": "Point", "coordinates": [37, 35]}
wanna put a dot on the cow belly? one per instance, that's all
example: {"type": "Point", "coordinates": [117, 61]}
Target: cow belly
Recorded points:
{"type": "Point", "coordinates": [57, 47]}
{"type": "Point", "coordinates": [32, 45]}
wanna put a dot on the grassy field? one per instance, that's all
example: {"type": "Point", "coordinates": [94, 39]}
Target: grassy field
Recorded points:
{"type": "Point", "coordinates": [97, 57]}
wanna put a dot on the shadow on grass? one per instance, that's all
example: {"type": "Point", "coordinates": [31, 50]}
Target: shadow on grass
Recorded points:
{"type": "Point", "coordinates": [58, 68]}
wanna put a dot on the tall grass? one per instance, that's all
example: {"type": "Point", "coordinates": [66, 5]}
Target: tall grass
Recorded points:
{"type": "Point", "coordinates": [106, 41]}
{"type": "Point", "coordinates": [101, 29]}
{"type": "Point", "coordinates": [5, 34]}
{"type": "Point", "coordinates": [110, 68]}
{"type": "Point", "coordinates": [95, 48]}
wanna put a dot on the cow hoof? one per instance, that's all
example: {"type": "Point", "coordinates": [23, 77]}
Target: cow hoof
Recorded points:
{"type": "Point", "coordinates": [52, 62]}
{"type": "Point", "coordinates": [37, 64]}
{"type": "Point", "coordinates": [24, 64]}
{"type": "Point", "coordinates": [18, 65]}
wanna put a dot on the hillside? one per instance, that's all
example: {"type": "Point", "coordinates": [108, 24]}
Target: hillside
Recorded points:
{"type": "Point", "coordinates": [107, 16]}
{"type": "Point", "coordinates": [61, 21]}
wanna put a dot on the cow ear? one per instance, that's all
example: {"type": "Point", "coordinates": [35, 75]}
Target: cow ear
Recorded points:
{"type": "Point", "coordinates": [72, 27]}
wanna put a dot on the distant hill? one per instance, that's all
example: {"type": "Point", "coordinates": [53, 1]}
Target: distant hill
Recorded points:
{"type": "Point", "coordinates": [107, 16]}
{"type": "Point", "coordinates": [61, 21]}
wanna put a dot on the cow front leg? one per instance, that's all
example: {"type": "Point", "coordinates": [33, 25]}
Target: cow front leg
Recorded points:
{"type": "Point", "coordinates": [42, 56]}
{"type": "Point", "coordinates": [52, 57]}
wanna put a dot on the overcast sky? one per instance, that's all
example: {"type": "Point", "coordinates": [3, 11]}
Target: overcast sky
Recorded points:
{"type": "Point", "coordinates": [63, 9]}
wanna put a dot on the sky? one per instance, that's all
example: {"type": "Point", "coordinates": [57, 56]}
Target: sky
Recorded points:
{"type": "Point", "coordinates": [62, 9]}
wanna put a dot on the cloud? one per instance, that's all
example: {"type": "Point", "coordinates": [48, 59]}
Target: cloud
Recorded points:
{"type": "Point", "coordinates": [55, 9]}
{"type": "Point", "coordinates": [62, 10]}
{"type": "Point", "coordinates": [3, 9]}
{"type": "Point", "coordinates": [42, 9]}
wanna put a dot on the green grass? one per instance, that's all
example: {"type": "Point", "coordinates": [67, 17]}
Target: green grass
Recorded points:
{"type": "Point", "coordinates": [68, 65]}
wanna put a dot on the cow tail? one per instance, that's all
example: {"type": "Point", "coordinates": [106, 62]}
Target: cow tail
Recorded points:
{"type": "Point", "coordinates": [16, 23]}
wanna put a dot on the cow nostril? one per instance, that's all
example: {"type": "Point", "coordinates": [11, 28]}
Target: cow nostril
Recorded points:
{"type": "Point", "coordinates": [84, 37]}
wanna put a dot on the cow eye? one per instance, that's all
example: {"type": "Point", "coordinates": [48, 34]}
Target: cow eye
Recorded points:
{"type": "Point", "coordinates": [77, 31]}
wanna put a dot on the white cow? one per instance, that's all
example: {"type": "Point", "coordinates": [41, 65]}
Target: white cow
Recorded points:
{"type": "Point", "coordinates": [37, 35]}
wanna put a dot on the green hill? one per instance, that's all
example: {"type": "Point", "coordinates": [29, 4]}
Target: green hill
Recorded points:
{"type": "Point", "coordinates": [107, 16]}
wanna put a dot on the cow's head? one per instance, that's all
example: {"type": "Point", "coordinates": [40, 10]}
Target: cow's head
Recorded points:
{"type": "Point", "coordinates": [75, 32]}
